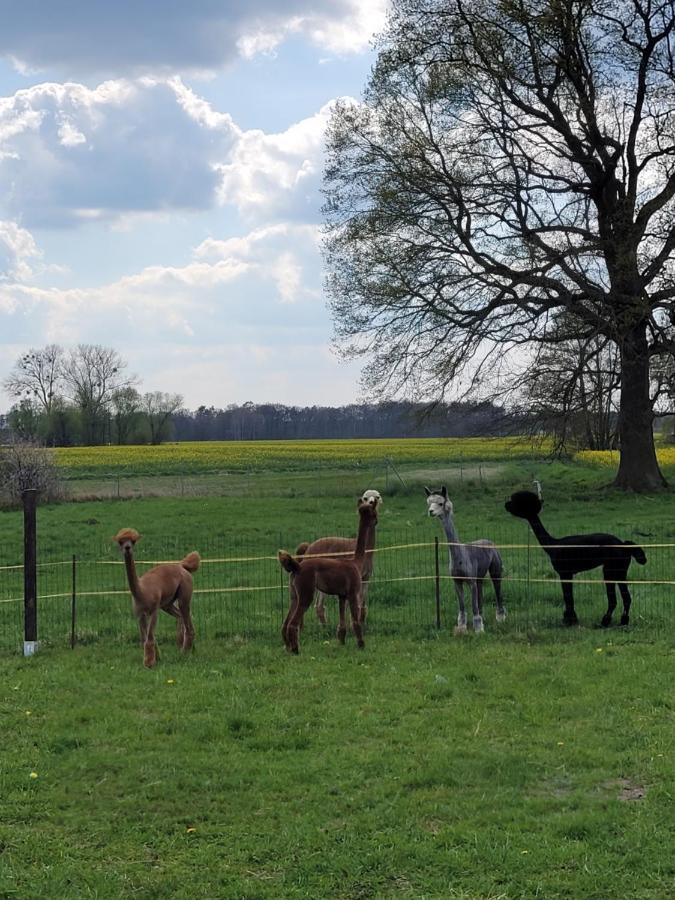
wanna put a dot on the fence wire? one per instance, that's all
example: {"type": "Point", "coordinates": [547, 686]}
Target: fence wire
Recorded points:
{"type": "Point", "coordinates": [241, 590]}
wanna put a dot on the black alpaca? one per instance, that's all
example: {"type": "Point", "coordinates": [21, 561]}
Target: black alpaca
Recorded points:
{"type": "Point", "coordinates": [579, 553]}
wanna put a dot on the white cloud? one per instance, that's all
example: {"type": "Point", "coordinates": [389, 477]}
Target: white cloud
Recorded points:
{"type": "Point", "coordinates": [18, 251]}
{"type": "Point", "coordinates": [242, 320]}
{"type": "Point", "coordinates": [131, 37]}
{"type": "Point", "coordinates": [277, 174]}
{"type": "Point", "coordinates": [72, 154]}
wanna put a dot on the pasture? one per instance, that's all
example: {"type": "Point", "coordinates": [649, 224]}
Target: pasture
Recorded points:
{"type": "Point", "coordinates": [532, 761]}
{"type": "Point", "coordinates": [444, 768]}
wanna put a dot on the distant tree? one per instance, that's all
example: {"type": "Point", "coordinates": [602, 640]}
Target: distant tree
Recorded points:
{"type": "Point", "coordinates": [37, 376]}
{"type": "Point", "coordinates": [159, 407]}
{"type": "Point", "coordinates": [570, 392]}
{"type": "Point", "coordinates": [126, 404]}
{"type": "Point", "coordinates": [92, 375]}
{"type": "Point", "coordinates": [24, 420]}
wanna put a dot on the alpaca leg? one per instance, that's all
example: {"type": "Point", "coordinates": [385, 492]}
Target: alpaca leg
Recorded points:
{"type": "Point", "coordinates": [496, 576]}
{"type": "Point", "coordinates": [569, 616]}
{"type": "Point", "coordinates": [342, 624]}
{"type": "Point", "coordinates": [150, 653]}
{"type": "Point", "coordinates": [625, 596]}
{"type": "Point", "coordinates": [175, 612]}
{"type": "Point", "coordinates": [320, 608]}
{"type": "Point", "coordinates": [477, 604]}
{"type": "Point", "coordinates": [355, 611]}
{"type": "Point", "coordinates": [143, 626]}
{"type": "Point", "coordinates": [294, 625]}
{"type": "Point", "coordinates": [610, 587]}
{"type": "Point", "coordinates": [291, 606]}
{"type": "Point", "coordinates": [460, 628]}
{"type": "Point", "coordinates": [364, 600]}
{"type": "Point", "coordinates": [186, 621]}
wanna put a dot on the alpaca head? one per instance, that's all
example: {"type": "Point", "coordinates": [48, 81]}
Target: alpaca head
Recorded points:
{"type": "Point", "coordinates": [372, 496]}
{"type": "Point", "coordinates": [523, 504]}
{"type": "Point", "coordinates": [126, 538]}
{"type": "Point", "coordinates": [438, 502]}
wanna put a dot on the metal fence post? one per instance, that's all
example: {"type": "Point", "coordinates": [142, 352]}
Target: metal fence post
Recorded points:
{"type": "Point", "coordinates": [30, 641]}
{"type": "Point", "coordinates": [72, 604]}
{"type": "Point", "coordinates": [438, 585]}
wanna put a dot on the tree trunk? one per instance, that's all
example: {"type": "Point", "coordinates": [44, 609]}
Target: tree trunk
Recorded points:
{"type": "Point", "coordinates": [638, 466]}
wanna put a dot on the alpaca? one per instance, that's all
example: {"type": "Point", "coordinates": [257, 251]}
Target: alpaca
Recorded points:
{"type": "Point", "coordinates": [579, 553]}
{"type": "Point", "coordinates": [338, 577]}
{"type": "Point", "coordinates": [468, 563]}
{"type": "Point", "coordinates": [168, 587]}
{"type": "Point", "coordinates": [338, 547]}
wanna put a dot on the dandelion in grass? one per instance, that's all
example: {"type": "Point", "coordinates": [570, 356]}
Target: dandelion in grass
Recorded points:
{"type": "Point", "coordinates": [170, 681]}
{"type": "Point", "coordinates": [33, 774]}
{"type": "Point", "coordinates": [598, 649]}
{"type": "Point", "coordinates": [28, 712]}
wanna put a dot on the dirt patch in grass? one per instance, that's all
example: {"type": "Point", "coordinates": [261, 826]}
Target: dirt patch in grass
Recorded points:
{"type": "Point", "coordinates": [627, 790]}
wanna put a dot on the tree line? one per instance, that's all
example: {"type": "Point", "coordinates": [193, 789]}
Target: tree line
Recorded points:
{"type": "Point", "coordinates": [568, 393]}
{"type": "Point", "coordinates": [83, 396]}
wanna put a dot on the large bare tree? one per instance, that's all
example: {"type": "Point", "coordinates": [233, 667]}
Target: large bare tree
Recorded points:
{"type": "Point", "coordinates": [92, 376]}
{"type": "Point", "coordinates": [512, 165]}
{"type": "Point", "coordinates": [37, 375]}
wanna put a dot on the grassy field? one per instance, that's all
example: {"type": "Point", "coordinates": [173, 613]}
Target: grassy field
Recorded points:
{"type": "Point", "coordinates": [533, 762]}
{"type": "Point", "coordinates": [434, 769]}
{"type": "Point", "coordinates": [244, 519]}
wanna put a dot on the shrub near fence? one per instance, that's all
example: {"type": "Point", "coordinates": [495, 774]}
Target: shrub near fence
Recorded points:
{"type": "Point", "coordinates": [240, 590]}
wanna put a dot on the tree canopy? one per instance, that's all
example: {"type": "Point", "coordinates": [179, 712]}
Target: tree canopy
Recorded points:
{"type": "Point", "coordinates": [509, 178]}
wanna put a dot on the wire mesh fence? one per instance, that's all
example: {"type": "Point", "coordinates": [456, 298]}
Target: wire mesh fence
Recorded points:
{"type": "Point", "coordinates": [241, 590]}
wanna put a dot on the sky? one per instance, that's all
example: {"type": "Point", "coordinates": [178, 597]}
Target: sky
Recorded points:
{"type": "Point", "coordinates": [160, 177]}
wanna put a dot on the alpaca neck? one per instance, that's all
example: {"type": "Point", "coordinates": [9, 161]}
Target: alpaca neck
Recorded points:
{"type": "Point", "coordinates": [365, 539]}
{"type": "Point", "coordinates": [451, 534]}
{"type": "Point", "coordinates": [540, 532]}
{"type": "Point", "coordinates": [132, 577]}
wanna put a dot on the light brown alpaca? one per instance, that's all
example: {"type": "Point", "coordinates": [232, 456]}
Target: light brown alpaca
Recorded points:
{"type": "Point", "coordinates": [168, 587]}
{"type": "Point", "coordinates": [338, 577]}
{"type": "Point", "coordinates": [341, 548]}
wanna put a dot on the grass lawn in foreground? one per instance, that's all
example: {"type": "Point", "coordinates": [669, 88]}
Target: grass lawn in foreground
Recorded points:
{"type": "Point", "coordinates": [477, 768]}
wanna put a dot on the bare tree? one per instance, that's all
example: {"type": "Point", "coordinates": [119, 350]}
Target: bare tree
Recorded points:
{"type": "Point", "coordinates": [36, 376]}
{"type": "Point", "coordinates": [511, 162]}
{"type": "Point", "coordinates": [92, 375]}
{"type": "Point", "coordinates": [24, 466]}
{"type": "Point", "coordinates": [570, 392]}
{"type": "Point", "coordinates": [159, 407]}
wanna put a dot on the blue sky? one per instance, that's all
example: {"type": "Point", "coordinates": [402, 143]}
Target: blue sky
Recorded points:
{"type": "Point", "coordinates": [160, 179]}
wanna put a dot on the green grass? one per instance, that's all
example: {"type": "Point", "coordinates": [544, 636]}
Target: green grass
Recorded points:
{"type": "Point", "coordinates": [252, 521]}
{"type": "Point", "coordinates": [428, 769]}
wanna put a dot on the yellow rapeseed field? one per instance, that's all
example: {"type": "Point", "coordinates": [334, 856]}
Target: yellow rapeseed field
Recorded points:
{"type": "Point", "coordinates": [610, 458]}
{"type": "Point", "coordinates": [238, 456]}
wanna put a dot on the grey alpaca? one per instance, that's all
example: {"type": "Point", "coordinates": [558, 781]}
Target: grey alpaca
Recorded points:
{"type": "Point", "coordinates": [469, 563]}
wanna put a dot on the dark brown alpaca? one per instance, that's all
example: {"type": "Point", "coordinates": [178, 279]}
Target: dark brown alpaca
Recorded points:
{"type": "Point", "coordinates": [339, 577]}
{"type": "Point", "coordinates": [344, 548]}
{"type": "Point", "coordinates": [168, 587]}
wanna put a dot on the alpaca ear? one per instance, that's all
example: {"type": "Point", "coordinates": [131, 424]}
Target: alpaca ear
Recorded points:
{"type": "Point", "coordinates": [427, 491]}
{"type": "Point", "coordinates": [444, 492]}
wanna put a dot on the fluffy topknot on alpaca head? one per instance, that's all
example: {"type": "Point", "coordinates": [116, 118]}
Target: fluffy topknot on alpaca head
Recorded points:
{"type": "Point", "coordinates": [126, 538]}
{"type": "Point", "coordinates": [372, 496]}
{"type": "Point", "coordinates": [438, 502]}
{"type": "Point", "coordinates": [523, 504]}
